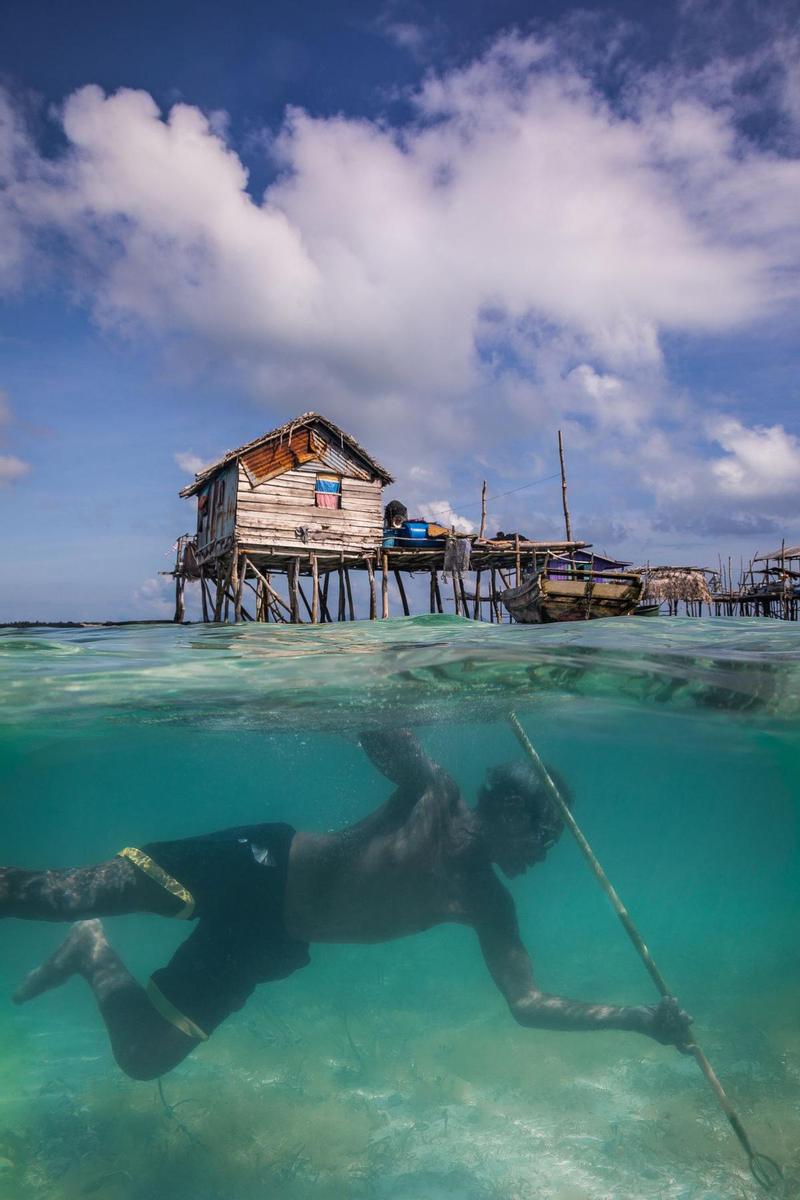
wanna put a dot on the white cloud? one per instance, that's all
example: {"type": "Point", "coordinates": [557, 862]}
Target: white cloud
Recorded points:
{"type": "Point", "coordinates": [760, 462]}
{"type": "Point", "coordinates": [441, 512]}
{"type": "Point", "coordinates": [190, 462]}
{"type": "Point", "coordinates": [154, 597]}
{"type": "Point", "coordinates": [512, 259]}
{"type": "Point", "coordinates": [376, 253]}
{"type": "Point", "coordinates": [12, 469]}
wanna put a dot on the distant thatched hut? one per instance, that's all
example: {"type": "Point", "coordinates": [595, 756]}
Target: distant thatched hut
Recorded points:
{"type": "Point", "coordinates": [671, 585]}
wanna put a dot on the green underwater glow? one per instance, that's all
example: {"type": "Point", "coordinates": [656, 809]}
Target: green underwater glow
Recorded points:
{"type": "Point", "coordinates": [394, 1072]}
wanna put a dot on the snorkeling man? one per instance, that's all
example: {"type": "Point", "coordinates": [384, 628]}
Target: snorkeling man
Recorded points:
{"type": "Point", "coordinates": [261, 893]}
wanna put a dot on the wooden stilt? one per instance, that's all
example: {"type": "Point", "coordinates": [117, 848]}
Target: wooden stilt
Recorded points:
{"type": "Point", "coordinates": [433, 590]}
{"type": "Point", "coordinates": [180, 605]}
{"type": "Point", "coordinates": [326, 616]}
{"type": "Point", "coordinates": [274, 596]}
{"type": "Point", "coordinates": [495, 601]}
{"type": "Point", "coordinates": [314, 588]}
{"type": "Point", "coordinates": [476, 609]}
{"type": "Point", "coordinates": [403, 598]}
{"type": "Point", "coordinates": [237, 578]}
{"type": "Point", "coordinates": [294, 606]}
{"type": "Point", "coordinates": [384, 585]}
{"type": "Point", "coordinates": [456, 594]}
{"type": "Point", "coordinates": [232, 599]}
{"type": "Point", "coordinates": [373, 606]}
{"type": "Point", "coordinates": [464, 608]}
{"type": "Point", "coordinates": [220, 592]}
{"type": "Point", "coordinates": [340, 572]}
{"type": "Point", "coordinates": [303, 597]}
{"type": "Point", "coordinates": [350, 608]}
{"type": "Point", "coordinates": [518, 559]}
{"type": "Point", "coordinates": [203, 595]}
{"type": "Point", "coordinates": [437, 592]}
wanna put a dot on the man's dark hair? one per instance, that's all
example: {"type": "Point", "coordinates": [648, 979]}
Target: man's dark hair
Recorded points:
{"type": "Point", "coordinates": [520, 783]}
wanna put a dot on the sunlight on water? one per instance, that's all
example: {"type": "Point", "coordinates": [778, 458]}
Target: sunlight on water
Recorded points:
{"type": "Point", "coordinates": [395, 1072]}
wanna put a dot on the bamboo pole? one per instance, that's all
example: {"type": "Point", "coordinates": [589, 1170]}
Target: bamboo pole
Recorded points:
{"type": "Point", "coordinates": [567, 522]}
{"type": "Point", "coordinates": [314, 588]}
{"type": "Point", "coordinates": [518, 559]}
{"type": "Point", "coordinates": [482, 530]}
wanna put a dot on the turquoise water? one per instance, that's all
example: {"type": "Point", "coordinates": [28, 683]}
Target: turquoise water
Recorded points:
{"type": "Point", "coordinates": [394, 1072]}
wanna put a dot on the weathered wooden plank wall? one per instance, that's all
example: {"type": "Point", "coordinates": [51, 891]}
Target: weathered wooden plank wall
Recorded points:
{"type": "Point", "coordinates": [272, 512]}
{"type": "Point", "coordinates": [216, 516]}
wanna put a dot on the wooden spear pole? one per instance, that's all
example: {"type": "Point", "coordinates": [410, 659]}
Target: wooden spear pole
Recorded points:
{"type": "Point", "coordinates": [483, 512]}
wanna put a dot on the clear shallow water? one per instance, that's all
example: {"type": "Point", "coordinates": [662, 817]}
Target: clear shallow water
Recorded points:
{"type": "Point", "coordinates": [394, 1072]}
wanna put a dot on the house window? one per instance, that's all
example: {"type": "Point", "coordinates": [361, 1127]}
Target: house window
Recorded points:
{"type": "Point", "coordinates": [328, 491]}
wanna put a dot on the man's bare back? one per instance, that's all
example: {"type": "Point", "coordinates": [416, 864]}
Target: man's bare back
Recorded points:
{"type": "Point", "coordinates": [422, 859]}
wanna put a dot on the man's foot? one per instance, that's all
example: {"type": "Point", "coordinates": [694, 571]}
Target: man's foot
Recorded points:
{"type": "Point", "coordinates": [80, 945]}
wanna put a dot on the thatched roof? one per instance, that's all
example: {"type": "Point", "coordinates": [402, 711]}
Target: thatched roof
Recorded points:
{"type": "Point", "coordinates": [286, 430]}
{"type": "Point", "coordinates": [781, 552]}
{"type": "Point", "coordinates": [675, 583]}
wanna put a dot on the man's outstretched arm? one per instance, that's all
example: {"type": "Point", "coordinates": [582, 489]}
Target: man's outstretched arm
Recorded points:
{"type": "Point", "coordinates": [397, 754]}
{"type": "Point", "coordinates": [510, 966]}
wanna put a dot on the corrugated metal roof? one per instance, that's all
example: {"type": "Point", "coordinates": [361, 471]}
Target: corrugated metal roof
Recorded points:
{"type": "Point", "coordinates": [306, 419]}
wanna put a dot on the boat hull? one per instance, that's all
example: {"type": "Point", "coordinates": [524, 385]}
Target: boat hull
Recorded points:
{"type": "Point", "coordinates": [543, 599]}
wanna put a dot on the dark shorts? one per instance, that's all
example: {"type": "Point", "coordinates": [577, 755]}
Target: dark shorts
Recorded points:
{"type": "Point", "coordinates": [233, 884]}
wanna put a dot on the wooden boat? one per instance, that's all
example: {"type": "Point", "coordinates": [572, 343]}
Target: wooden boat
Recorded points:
{"type": "Point", "coordinates": [650, 608]}
{"type": "Point", "coordinates": [565, 590]}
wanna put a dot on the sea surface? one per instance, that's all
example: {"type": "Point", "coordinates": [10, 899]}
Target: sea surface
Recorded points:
{"type": "Point", "coordinates": [395, 1072]}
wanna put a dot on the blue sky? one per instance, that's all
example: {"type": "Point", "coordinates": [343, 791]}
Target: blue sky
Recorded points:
{"type": "Point", "coordinates": [454, 228]}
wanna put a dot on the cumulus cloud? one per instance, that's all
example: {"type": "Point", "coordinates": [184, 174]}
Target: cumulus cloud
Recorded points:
{"type": "Point", "coordinates": [512, 257]}
{"type": "Point", "coordinates": [518, 189]}
{"type": "Point", "coordinates": [441, 512]}
{"type": "Point", "coordinates": [153, 597]}
{"type": "Point", "coordinates": [12, 469]}
{"type": "Point", "coordinates": [762, 462]}
{"type": "Point", "coordinates": [190, 462]}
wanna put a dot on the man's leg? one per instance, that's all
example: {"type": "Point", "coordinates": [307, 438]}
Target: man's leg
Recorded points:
{"type": "Point", "coordinates": [110, 889]}
{"type": "Point", "coordinates": [144, 1044]}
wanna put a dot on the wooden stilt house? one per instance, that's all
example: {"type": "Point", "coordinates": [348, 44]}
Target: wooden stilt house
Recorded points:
{"type": "Point", "coordinates": [305, 486]}
{"type": "Point", "coordinates": [304, 501]}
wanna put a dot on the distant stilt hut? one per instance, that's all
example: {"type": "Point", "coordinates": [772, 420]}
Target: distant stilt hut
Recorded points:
{"type": "Point", "coordinates": [673, 585]}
